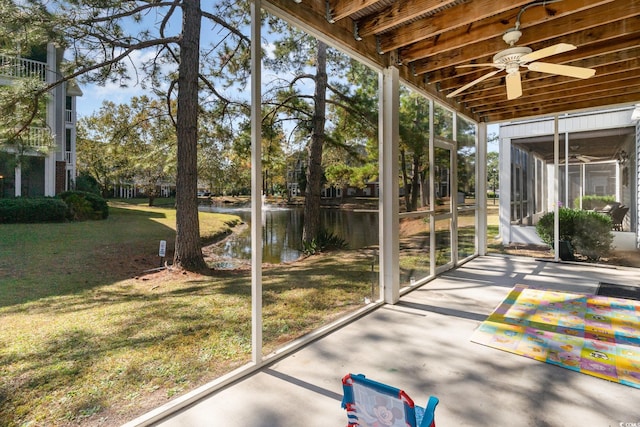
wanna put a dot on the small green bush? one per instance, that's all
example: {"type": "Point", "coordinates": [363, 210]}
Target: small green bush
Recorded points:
{"type": "Point", "coordinates": [593, 237]}
{"type": "Point", "coordinates": [544, 227]}
{"type": "Point", "coordinates": [78, 208]}
{"type": "Point", "coordinates": [592, 202]}
{"type": "Point", "coordinates": [87, 183]}
{"type": "Point", "coordinates": [323, 242]}
{"type": "Point", "coordinates": [588, 232]}
{"type": "Point", "coordinates": [32, 210]}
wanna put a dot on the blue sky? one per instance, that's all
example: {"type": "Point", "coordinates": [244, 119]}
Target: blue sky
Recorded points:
{"type": "Point", "coordinates": [94, 95]}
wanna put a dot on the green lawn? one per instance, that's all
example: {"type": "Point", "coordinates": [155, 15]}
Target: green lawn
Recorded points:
{"type": "Point", "coordinates": [40, 260]}
{"type": "Point", "coordinates": [88, 339]}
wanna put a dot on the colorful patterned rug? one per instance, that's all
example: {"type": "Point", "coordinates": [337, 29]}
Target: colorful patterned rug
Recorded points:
{"type": "Point", "coordinates": [592, 334]}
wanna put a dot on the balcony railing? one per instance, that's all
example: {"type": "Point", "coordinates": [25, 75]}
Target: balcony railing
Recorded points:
{"type": "Point", "coordinates": [34, 137]}
{"type": "Point", "coordinates": [21, 68]}
{"type": "Point", "coordinates": [69, 116]}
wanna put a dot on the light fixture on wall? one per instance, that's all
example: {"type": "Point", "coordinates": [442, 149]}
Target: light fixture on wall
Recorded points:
{"type": "Point", "coordinates": [623, 157]}
{"type": "Point", "coordinates": [635, 115]}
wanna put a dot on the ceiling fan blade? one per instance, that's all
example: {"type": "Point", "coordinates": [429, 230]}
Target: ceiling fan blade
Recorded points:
{"type": "Point", "coordinates": [514, 85]}
{"type": "Point", "coordinates": [583, 159]}
{"type": "Point", "coordinates": [562, 70]}
{"type": "Point", "coordinates": [547, 51]}
{"type": "Point", "coordinates": [468, 85]}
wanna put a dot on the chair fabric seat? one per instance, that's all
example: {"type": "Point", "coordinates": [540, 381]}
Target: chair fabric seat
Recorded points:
{"type": "Point", "coordinates": [373, 404]}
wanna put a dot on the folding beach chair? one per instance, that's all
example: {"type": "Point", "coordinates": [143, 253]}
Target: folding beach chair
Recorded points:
{"type": "Point", "coordinates": [373, 404]}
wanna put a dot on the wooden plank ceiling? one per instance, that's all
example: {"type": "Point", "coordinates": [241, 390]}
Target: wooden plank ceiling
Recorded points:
{"type": "Point", "coordinates": [428, 39]}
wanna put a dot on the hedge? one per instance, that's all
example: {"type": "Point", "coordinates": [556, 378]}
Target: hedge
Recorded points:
{"type": "Point", "coordinates": [593, 202]}
{"type": "Point", "coordinates": [70, 205]}
{"type": "Point", "coordinates": [85, 205]}
{"type": "Point", "coordinates": [32, 210]}
{"type": "Point", "coordinates": [588, 232]}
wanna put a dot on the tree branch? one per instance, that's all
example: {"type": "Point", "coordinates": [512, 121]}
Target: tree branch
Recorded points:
{"type": "Point", "coordinates": [126, 14]}
{"type": "Point", "coordinates": [115, 59]}
{"type": "Point", "coordinates": [222, 23]}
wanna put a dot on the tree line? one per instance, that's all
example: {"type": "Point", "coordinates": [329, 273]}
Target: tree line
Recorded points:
{"type": "Point", "coordinates": [193, 123]}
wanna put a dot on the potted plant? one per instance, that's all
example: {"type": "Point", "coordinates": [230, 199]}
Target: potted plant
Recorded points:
{"type": "Point", "coordinates": [587, 233]}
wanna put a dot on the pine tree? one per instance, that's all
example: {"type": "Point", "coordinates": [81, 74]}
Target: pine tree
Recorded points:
{"type": "Point", "coordinates": [102, 35]}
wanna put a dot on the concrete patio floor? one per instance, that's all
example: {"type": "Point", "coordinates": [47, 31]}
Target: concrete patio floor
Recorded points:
{"type": "Point", "coordinates": [423, 346]}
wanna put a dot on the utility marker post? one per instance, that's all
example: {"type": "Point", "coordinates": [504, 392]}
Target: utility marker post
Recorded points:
{"type": "Point", "coordinates": [162, 251]}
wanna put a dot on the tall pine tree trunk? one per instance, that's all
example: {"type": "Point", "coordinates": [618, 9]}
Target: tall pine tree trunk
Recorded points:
{"type": "Point", "coordinates": [188, 252]}
{"type": "Point", "coordinates": [405, 180]}
{"type": "Point", "coordinates": [415, 183]}
{"type": "Point", "coordinates": [311, 228]}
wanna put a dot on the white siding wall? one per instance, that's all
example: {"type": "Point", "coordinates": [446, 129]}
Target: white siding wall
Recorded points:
{"type": "Point", "coordinates": [637, 179]}
{"type": "Point", "coordinates": [52, 122]}
{"type": "Point", "coordinates": [577, 123]}
{"type": "Point", "coordinates": [504, 161]}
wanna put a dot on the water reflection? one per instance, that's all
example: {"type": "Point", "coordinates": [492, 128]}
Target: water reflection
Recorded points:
{"type": "Point", "coordinates": [282, 231]}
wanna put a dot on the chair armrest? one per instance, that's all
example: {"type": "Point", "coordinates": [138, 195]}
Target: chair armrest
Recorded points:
{"type": "Point", "coordinates": [429, 412]}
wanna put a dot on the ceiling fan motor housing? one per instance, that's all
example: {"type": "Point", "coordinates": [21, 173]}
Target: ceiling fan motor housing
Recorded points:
{"type": "Point", "coordinates": [511, 55]}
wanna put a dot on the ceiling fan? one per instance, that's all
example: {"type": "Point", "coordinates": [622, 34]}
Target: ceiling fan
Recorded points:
{"type": "Point", "coordinates": [582, 158]}
{"type": "Point", "coordinates": [514, 57]}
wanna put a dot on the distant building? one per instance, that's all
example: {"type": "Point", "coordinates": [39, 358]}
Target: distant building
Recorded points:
{"type": "Point", "coordinates": [43, 171]}
{"type": "Point", "coordinates": [296, 169]}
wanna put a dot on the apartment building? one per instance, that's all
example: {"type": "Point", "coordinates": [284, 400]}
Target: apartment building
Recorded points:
{"type": "Point", "coordinates": [44, 162]}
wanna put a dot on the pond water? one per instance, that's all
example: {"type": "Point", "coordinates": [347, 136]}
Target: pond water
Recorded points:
{"type": "Point", "coordinates": [282, 231]}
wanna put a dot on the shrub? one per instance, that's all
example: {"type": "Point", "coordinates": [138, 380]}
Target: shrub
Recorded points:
{"type": "Point", "coordinates": [588, 232]}
{"type": "Point", "coordinates": [592, 202]}
{"type": "Point", "coordinates": [88, 184]}
{"type": "Point", "coordinates": [324, 241]}
{"type": "Point", "coordinates": [80, 209]}
{"type": "Point", "coordinates": [32, 210]}
{"type": "Point", "coordinates": [544, 227]}
{"type": "Point", "coordinates": [593, 237]}
{"type": "Point", "coordinates": [83, 205]}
